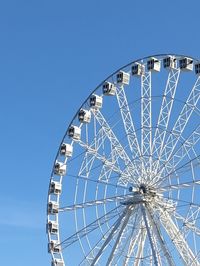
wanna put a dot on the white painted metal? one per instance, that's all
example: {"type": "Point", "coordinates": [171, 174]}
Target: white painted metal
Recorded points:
{"type": "Point", "coordinates": [164, 115]}
{"type": "Point", "coordinates": [125, 183]}
{"type": "Point", "coordinates": [146, 125]}
{"type": "Point", "coordinates": [178, 239]}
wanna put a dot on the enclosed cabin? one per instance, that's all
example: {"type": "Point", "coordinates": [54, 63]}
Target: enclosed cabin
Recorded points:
{"type": "Point", "coordinates": [54, 246]}
{"type": "Point", "coordinates": [52, 227]}
{"type": "Point", "coordinates": [109, 89]}
{"type": "Point", "coordinates": [84, 116]}
{"type": "Point", "coordinates": [123, 78]}
{"type": "Point", "coordinates": [74, 132]}
{"type": "Point", "coordinates": [137, 69]}
{"type": "Point", "coordinates": [197, 69]}
{"type": "Point", "coordinates": [170, 62]}
{"type": "Point", "coordinates": [186, 64]}
{"type": "Point", "coordinates": [57, 262]}
{"type": "Point", "coordinates": [153, 64]}
{"type": "Point", "coordinates": [60, 168]}
{"type": "Point", "coordinates": [66, 150]}
{"type": "Point", "coordinates": [96, 101]}
{"type": "Point", "coordinates": [55, 187]}
{"type": "Point", "coordinates": [52, 207]}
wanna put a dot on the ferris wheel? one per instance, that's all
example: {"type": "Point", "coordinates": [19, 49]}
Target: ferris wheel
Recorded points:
{"type": "Point", "coordinates": [125, 184]}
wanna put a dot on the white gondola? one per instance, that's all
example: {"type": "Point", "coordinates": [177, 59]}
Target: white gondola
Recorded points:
{"type": "Point", "coordinates": [96, 101]}
{"type": "Point", "coordinates": [57, 262]}
{"type": "Point", "coordinates": [137, 69]}
{"type": "Point", "coordinates": [66, 150]}
{"type": "Point", "coordinates": [109, 89]}
{"type": "Point", "coordinates": [52, 227]}
{"type": "Point", "coordinates": [153, 64]}
{"type": "Point", "coordinates": [54, 246]}
{"type": "Point", "coordinates": [170, 62]}
{"type": "Point", "coordinates": [186, 64]}
{"type": "Point", "coordinates": [197, 68]}
{"type": "Point", "coordinates": [53, 207]}
{"type": "Point", "coordinates": [123, 78]}
{"type": "Point", "coordinates": [55, 187]}
{"type": "Point", "coordinates": [60, 168]}
{"type": "Point", "coordinates": [84, 116]}
{"type": "Point", "coordinates": [74, 132]}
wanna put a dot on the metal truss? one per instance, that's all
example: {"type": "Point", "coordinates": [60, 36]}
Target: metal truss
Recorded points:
{"type": "Point", "coordinates": [146, 122]}
{"type": "Point", "coordinates": [118, 150]}
{"type": "Point", "coordinates": [177, 238]}
{"type": "Point", "coordinates": [128, 122]}
{"type": "Point", "coordinates": [181, 122]}
{"type": "Point", "coordinates": [165, 113]}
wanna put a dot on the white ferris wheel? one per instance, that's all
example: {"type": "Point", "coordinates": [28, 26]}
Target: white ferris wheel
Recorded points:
{"type": "Point", "coordinates": [125, 184]}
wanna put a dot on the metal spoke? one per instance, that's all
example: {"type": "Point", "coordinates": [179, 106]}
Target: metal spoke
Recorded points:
{"type": "Point", "coordinates": [117, 241]}
{"type": "Point", "coordinates": [118, 150]}
{"type": "Point", "coordinates": [181, 185]}
{"type": "Point", "coordinates": [141, 244]}
{"type": "Point", "coordinates": [87, 166]}
{"type": "Point", "coordinates": [114, 230]}
{"type": "Point", "coordinates": [178, 239]}
{"type": "Point", "coordinates": [137, 239]}
{"type": "Point", "coordinates": [181, 122]}
{"type": "Point", "coordinates": [127, 121]}
{"type": "Point", "coordinates": [180, 154]}
{"type": "Point", "coordinates": [146, 121]}
{"type": "Point", "coordinates": [188, 223]}
{"type": "Point", "coordinates": [89, 228]}
{"type": "Point", "coordinates": [106, 183]}
{"type": "Point", "coordinates": [165, 113]}
{"type": "Point", "coordinates": [160, 239]}
{"type": "Point", "coordinates": [154, 253]}
{"type": "Point", "coordinates": [94, 203]}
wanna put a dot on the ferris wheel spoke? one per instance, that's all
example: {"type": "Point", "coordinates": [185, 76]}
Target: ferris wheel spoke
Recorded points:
{"type": "Point", "coordinates": [94, 203]}
{"type": "Point", "coordinates": [138, 237]}
{"type": "Point", "coordinates": [87, 164]}
{"type": "Point", "coordinates": [91, 153]}
{"type": "Point", "coordinates": [93, 180]}
{"type": "Point", "coordinates": [92, 253]}
{"type": "Point", "coordinates": [181, 122]}
{"type": "Point", "coordinates": [181, 185]}
{"type": "Point", "coordinates": [119, 237]}
{"type": "Point", "coordinates": [140, 249]}
{"type": "Point", "coordinates": [161, 241]}
{"type": "Point", "coordinates": [146, 122]}
{"type": "Point", "coordinates": [90, 228]}
{"type": "Point", "coordinates": [165, 112]}
{"type": "Point", "coordinates": [184, 202]}
{"type": "Point", "coordinates": [112, 233]}
{"type": "Point", "coordinates": [184, 149]}
{"type": "Point", "coordinates": [188, 223]}
{"type": "Point", "coordinates": [118, 150]}
{"type": "Point", "coordinates": [150, 236]}
{"type": "Point", "coordinates": [178, 239]}
{"type": "Point", "coordinates": [194, 162]}
{"type": "Point", "coordinates": [128, 121]}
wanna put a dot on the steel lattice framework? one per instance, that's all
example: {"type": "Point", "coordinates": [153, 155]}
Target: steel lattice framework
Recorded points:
{"type": "Point", "coordinates": [125, 184]}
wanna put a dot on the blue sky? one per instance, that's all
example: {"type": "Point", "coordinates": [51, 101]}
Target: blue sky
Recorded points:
{"type": "Point", "coordinates": [52, 55]}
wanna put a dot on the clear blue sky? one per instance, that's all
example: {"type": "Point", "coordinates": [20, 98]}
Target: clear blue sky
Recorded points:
{"type": "Point", "coordinates": [52, 55]}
